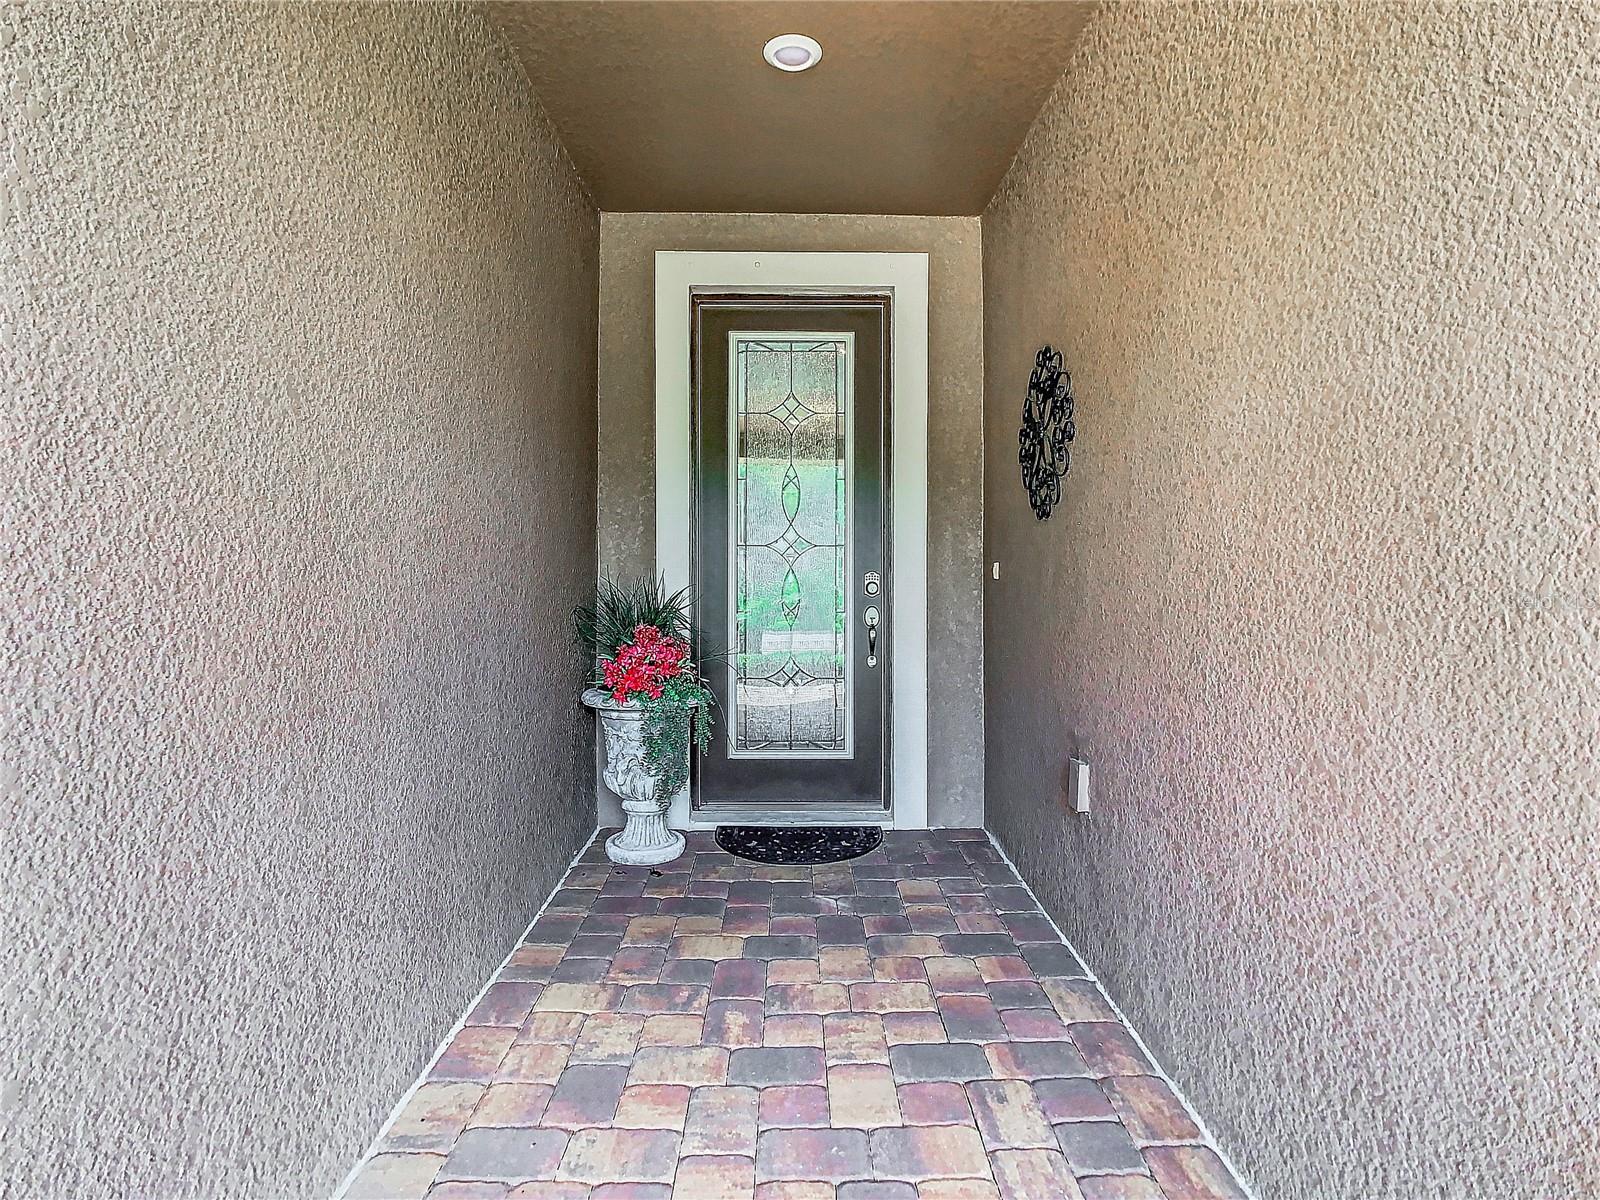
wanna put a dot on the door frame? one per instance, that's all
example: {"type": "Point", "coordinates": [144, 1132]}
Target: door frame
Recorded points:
{"type": "Point", "coordinates": [682, 273]}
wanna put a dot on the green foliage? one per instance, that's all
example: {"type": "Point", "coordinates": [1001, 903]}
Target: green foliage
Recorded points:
{"type": "Point", "coordinates": [607, 625]}
{"type": "Point", "coordinates": [670, 720]}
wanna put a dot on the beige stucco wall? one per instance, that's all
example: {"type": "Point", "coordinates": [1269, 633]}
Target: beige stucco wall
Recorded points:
{"type": "Point", "coordinates": [297, 344]}
{"type": "Point", "coordinates": [628, 242]}
{"type": "Point", "coordinates": [1320, 604]}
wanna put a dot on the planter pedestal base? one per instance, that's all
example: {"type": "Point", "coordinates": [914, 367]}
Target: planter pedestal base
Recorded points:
{"type": "Point", "coordinates": [645, 841]}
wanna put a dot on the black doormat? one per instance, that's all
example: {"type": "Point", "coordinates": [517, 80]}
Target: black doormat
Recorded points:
{"type": "Point", "coordinates": [799, 843]}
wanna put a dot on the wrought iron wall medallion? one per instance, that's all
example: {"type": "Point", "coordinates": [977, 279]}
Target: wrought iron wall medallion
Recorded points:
{"type": "Point", "coordinates": [1047, 427]}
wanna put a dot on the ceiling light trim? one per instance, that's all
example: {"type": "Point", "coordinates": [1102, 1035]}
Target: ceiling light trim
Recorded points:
{"type": "Point", "coordinates": [792, 52]}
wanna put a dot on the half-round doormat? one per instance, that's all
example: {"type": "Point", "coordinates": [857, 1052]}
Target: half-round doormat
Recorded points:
{"type": "Point", "coordinates": [799, 843]}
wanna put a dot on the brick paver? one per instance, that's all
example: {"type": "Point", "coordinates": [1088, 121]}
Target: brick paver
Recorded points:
{"type": "Point", "coordinates": [862, 1096]}
{"type": "Point", "coordinates": [435, 1116]}
{"type": "Point", "coordinates": [1099, 1148]}
{"type": "Point", "coordinates": [1009, 1115]}
{"type": "Point", "coordinates": [722, 1120]}
{"type": "Point", "coordinates": [1147, 1107]}
{"type": "Point", "coordinates": [653, 1106]}
{"type": "Point", "coordinates": [1033, 1174]}
{"type": "Point", "coordinates": [510, 1155]}
{"type": "Point", "coordinates": [828, 1155]}
{"type": "Point", "coordinates": [929, 1152]}
{"type": "Point", "coordinates": [907, 1026]}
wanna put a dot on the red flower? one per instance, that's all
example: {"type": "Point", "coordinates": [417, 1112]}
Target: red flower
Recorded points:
{"type": "Point", "coordinates": [645, 664]}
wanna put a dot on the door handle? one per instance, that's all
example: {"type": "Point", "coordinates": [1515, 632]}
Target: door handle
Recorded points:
{"type": "Point", "coordinates": [870, 617]}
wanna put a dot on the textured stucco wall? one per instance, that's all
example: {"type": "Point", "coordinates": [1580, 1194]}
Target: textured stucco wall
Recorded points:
{"type": "Point", "coordinates": [1320, 604]}
{"type": "Point", "coordinates": [628, 242]}
{"type": "Point", "coordinates": [297, 329]}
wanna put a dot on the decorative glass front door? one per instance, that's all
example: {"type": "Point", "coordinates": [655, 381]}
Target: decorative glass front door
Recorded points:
{"type": "Point", "coordinates": [789, 552]}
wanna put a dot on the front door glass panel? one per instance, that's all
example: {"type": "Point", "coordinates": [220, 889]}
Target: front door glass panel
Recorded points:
{"type": "Point", "coordinates": [789, 429]}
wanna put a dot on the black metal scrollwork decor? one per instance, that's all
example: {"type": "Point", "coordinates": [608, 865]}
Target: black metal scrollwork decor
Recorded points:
{"type": "Point", "coordinates": [1047, 427]}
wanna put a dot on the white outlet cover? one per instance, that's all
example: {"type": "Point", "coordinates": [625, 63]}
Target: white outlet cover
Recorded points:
{"type": "Point", "coordinates": [1078, 786]}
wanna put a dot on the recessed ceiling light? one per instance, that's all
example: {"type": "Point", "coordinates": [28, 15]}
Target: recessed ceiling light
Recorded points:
{"type": "Point", "coordinates": [792, 52]}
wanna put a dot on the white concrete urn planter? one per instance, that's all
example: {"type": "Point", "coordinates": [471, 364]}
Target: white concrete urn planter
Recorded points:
{"type": "Point", "coordinates": [645, 840]}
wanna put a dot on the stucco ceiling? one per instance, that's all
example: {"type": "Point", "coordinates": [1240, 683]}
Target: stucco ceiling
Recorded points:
{"type": "Point", "coordinates": [916, 106]}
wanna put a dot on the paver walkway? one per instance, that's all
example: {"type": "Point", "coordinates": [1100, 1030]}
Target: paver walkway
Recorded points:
{"type": "Point", "coordinates": [905, 1026]}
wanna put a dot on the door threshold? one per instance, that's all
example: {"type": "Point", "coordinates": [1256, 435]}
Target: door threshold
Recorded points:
{"type": "Point", "coordinates": [779, 814]}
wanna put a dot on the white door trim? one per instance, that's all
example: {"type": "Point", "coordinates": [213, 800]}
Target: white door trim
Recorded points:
{"type": "Point", "coordinates": [906, 276]}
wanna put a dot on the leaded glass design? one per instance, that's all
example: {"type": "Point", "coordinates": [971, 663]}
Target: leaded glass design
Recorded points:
{"type": "Point", "coordinates": [790, 431]}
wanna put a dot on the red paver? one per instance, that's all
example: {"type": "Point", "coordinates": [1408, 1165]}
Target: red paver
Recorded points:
{"type": "Point", "coordinates": [803, 1106]}
{"type": "Point", "coordinates": [505, 1004]}
{"type": "Point", "coordinates": [474, 1053]}
{"type": "Point", "coordinates": [1192, 1173]}
{"type": "Point", "coordinates": [934, 1104]}
{"type": "Point", "coordinates": [1149, 1109]}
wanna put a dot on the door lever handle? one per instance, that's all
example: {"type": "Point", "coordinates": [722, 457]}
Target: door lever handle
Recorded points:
{"type": "Point", "coordinates": [870, 617]}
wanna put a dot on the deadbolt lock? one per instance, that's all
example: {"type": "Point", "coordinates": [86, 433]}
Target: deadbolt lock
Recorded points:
{"type": "Point", "coordinates": [872, 583]}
